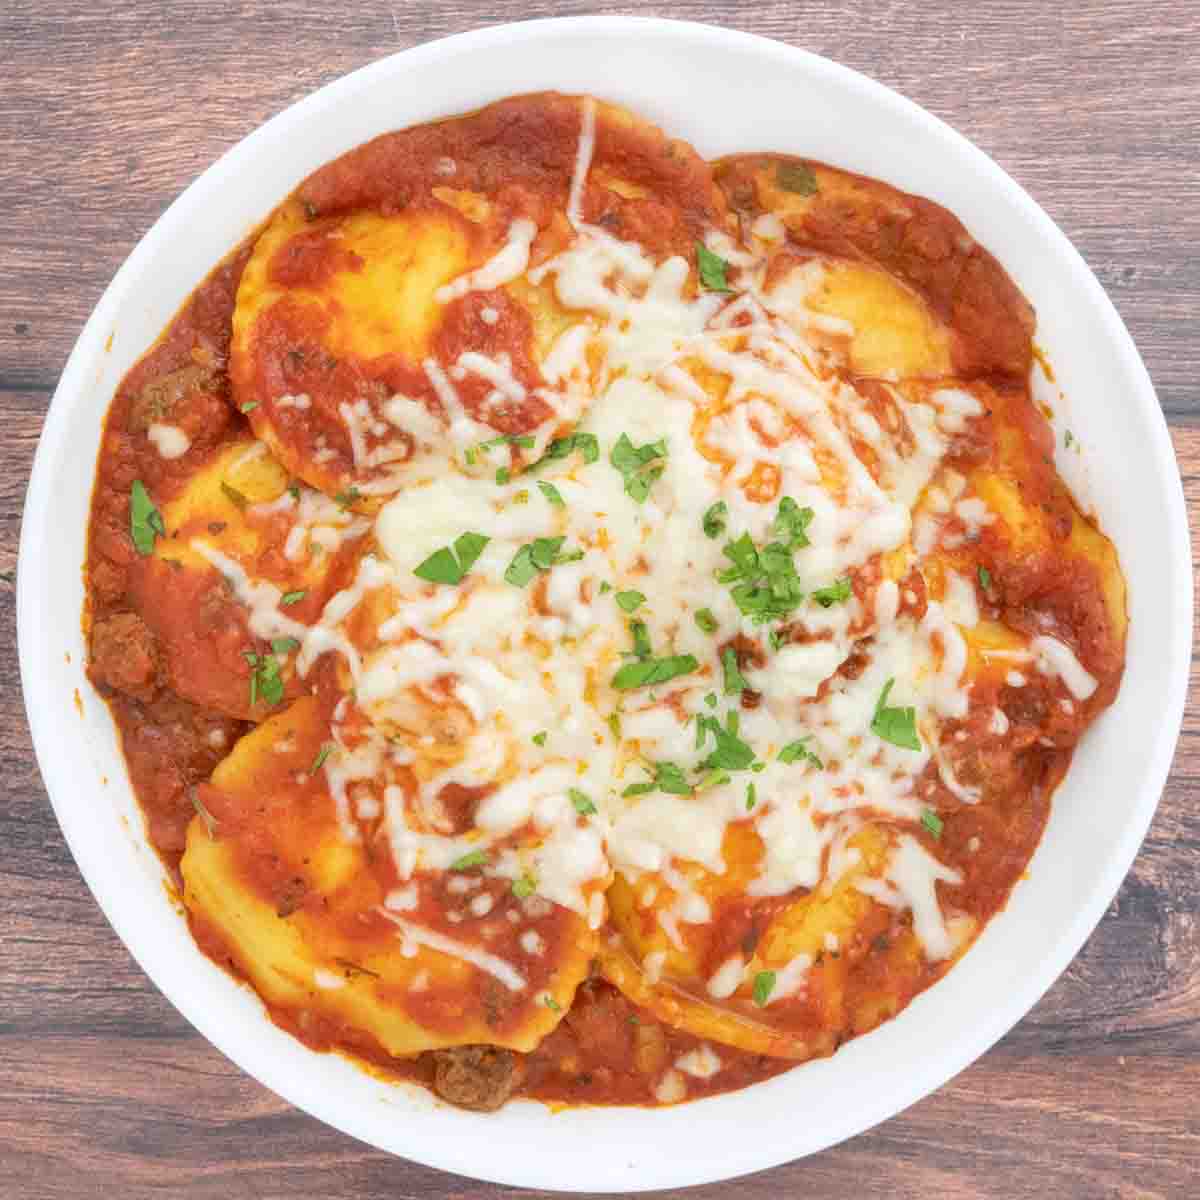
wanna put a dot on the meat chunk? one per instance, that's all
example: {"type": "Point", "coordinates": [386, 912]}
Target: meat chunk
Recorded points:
{"type": "Point", "coordinates": [125, 655]}
{"type": "Point", "coordinates": [165, 398]}
{"type": "Point", "coordinates": [480, 1078]}
{"type": "Point", "coordinates": [193, 399]}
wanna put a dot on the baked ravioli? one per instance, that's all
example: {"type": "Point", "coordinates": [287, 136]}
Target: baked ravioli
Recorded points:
{"type": "Point", "coordinates": [588, 623]}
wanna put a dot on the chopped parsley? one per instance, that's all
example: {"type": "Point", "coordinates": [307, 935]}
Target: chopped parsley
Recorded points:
{"type": "Point", "coordinates": [639, 465]}
{"type": "Point", "coordinates": [552, 1004]}
{"type": "Point", "coordinates": [236, 498]}
{"type": "Point", "coordinates": [764, 985]}
{"type": "Point", "coordinates": [1068, 439]}
{"type": "Point", "coordinates": [630, 601]}
{"type": "Point", "coordinates": [473, 858]}
{"type": "Point", "coordinates": [751, 796]}
{"type": "Point", "coordinates": [450, 566]}
{"type": "Point", "coordinates": [503, 475]}
{"type": "Point", "coordinates": [539, 739]}
{"type": "Point", "coordinates": [585, 443]}
{"type": "Point", "coordinates": [735, 681]}
{"type": "Point", "coordinates": [285, 645]}
{"type": "Point", "coordinates": [705, 620]}
{"type": "Point", "coordinates": [322, 755]}
{"type": "Point", "coordinates": [249, 406]}
{"type": "Point", "coordinates": [582, 802]}
{"type": "Point", "coordinates": [796, 177]}
{"type": "Point", "coordinates": [791, 523]}
{"type": "Point", "coordinates": [711, 699]}
{"type": "Point", "coordinates": [730, 753]}
{"type": "Point", "coordinates": [932, 822]}
{"type": "Point", "coordinates": [508, 439]}
{"type": "Point", "coordinates": [712, 269]}
{"type": "Point", "coordinates": [985, 578]}
{"type": "Point", "coordinates": [713, 521]}
{"type": "Point", "coordinates": [290, 598]}
{"type": "Point", "coordinates": [665, 777]}
{"type": "Point", "coordinates": [798, 751]}
{"type": "Point", "coordinates": [836, 593]}
{"type": "Point", "coordinates": [524, 887]}
{"type": "Point", "coordinates": [765, 586]}
{"type": "Point", "coordinates": [145, 521]}
{"type": "Point", "coordinates": [647, 669]}
{"type": "Point", "coordinates": [775, 639]}
{"type": "Point", "coordinates": [347, 498]}
{"type": "Point", "coordinates": [653, 670]}
{"type": "Point", "coordinates": [534, 557]}
{"type": "Point", "coordinates": [265, 681]}
{"type": "Point", "coordinates": [605, 586]}
{"type": "Point", "coordinates": [552, 494]}
{"type": "Point", "coordinates": [895, 725]}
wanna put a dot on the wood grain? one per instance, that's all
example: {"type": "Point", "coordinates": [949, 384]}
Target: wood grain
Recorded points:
{"type": "Point", "coordinates": [107, 111]}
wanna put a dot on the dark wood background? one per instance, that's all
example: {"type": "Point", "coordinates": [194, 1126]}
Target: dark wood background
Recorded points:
{"type": "Point", "coordinates": [108, 110]}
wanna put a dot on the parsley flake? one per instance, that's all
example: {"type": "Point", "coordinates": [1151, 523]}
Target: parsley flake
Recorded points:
{"type": "Point", "coordinates": [322, 755]}
{"type": "Point", "coordinates": [835, 593]}
{"type": "Point", "coordinates": [534, 557]}
{"type": "Point", "coordinates": [665, 777]}
{"type": "Point", "coordinates": [932, 822]}
{"type": "Point", "coordinates": [285, 645]}
{"type": "Point", "coordinates": [895, 725]}
{"type": "Point", "coordinates": [730, 752]}
{"type": "Point", "coordinates": [706, 621]}
{"type": "Point", "coordinates": [450, 566]}
{"type": "Point", "coordinates": [713, 521]}
{"type": "Point", "coordinates": [265, 681]}
{"type": "Point", "coordinates": [582, 802]}
{"type": "Point", "coordinates": [290, 598]}
{"type": "Point", "coordinates": [552, 494]}
{"type": "Point", "coordinates": [751, 796]}
{"type": "Point", "coordinates": [539, 739]}
{"type": "Point", "coordinates": [473, 858]}
{"type": "Point", "coordinates": [798, 751]}
{"type": "Point", "coordinates": [735, 681]}
{"type": "Point", "coordinates": [653, 670]}
{"type": "Point", "coordinates": [712, 269]}
{"type": "Point", "coordinates": [638, 465]}
{"type": "Point", "coordinates": [145, 521]}
{"type": "Point", "coordinates": [585, 443]}
{"type": "Point", "coordinates": [985, 578]}
{"type": "Point", "coordinates": [552, 1004]}
{"type": "Point", "coordinates": [764, 985]}
{"type": "Point", "coordinates": [347, 498]}
{"type": "Point", "coordinates": [524, 887]}
{"type": "Point", "coordinates": [630, 601]}
{"type": "Point", "coordinates": [503, 475]}
{"type": "Point", "coordinates": [791, 523]}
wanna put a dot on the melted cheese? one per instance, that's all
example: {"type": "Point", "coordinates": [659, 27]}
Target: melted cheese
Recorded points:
{"type": "Point", "coordinates": [508, 689]}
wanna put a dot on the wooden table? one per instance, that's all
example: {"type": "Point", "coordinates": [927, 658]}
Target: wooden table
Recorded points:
{"type": "Point", "coordinates": [107, 111]}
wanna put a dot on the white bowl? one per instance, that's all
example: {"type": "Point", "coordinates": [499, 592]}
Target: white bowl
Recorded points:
{"type": "Point", "coordinates": [723, 92]}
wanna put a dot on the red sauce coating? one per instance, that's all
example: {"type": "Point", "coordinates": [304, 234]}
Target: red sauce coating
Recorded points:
{"type": "Point", "coordinates": [166, 671]}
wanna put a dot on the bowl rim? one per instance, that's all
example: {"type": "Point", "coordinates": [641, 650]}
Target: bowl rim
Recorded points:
{"type": "Point", "coordinates": [152, 954]}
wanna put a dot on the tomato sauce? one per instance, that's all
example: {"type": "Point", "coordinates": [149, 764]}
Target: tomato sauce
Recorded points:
{"type": "Point", "coordinates": [167, 678]}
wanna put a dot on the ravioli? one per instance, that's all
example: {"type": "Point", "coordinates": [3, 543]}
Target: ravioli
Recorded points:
{"type": "Point", "coordinates": [324, 930]}
{"type": "Point", "coordinates": [661, 619]}
{"type": "Point", "coordinates": [384, 327]}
